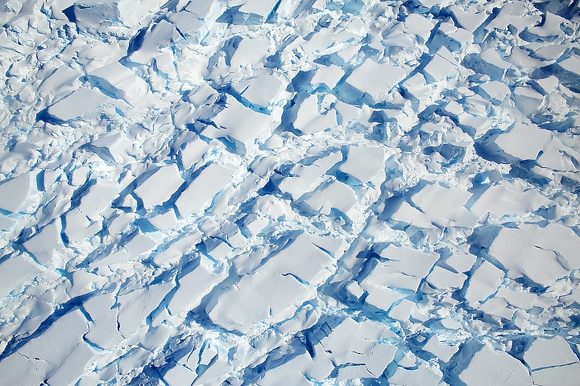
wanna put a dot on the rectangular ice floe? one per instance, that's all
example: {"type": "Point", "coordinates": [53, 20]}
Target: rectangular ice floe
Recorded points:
{"type": "Point", "coordinates": [120, 82]}
{"type": "Point", "coordinates": [304, 178]}
{"type": "Point", "coordinates": [396, 275]}
{"type": "Point", "coordinates": [312, 118]}
{"type": "Point", "coordinates": [46, 245]}
{"type": "Point", "coordinates": [507, 198]}
{"type": "Point", "coordinates": [331, 197]}
{"type": "Point", "coordinates": [263, 89]}
{"type": "Point", "coordinates": [441, 66]}
{"type": "Point", "coordinates": [15, 271]}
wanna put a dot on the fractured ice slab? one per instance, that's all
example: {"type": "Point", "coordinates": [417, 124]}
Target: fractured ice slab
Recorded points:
{"type": "Point", "coordinates": [441, 65]}
{"type": "Point", "coordinates": [15, 271]}
{"type": "Point", "coordinates": [261, 90]}
{"type": "Point", "coordinates": [46, 243]}
{"type": "Point", "coordinates": [159, 186]}
{"type": "Point", "coordinates": [483, 283]}
{"type": "Point", "coordinates": [359, 349]}
{"type": "Point", "coordinates": [112, 147]}
{"type": "Point", "coordinates": [328, 75]}
{"type": "Point", "coordinates": [90, 13]}
{"type": "Point", "coordinates": [543, 254]}
{"type": "Point", "coordinates": [76, 105]}
{"type": "Point", "coordinates": [15, 191]}
{"type": "Point", "coordinates": [202, 189]}
{"type": "Point", "coordinates": [499, 368]}
{"type": "Point", "coordinates": [403, 269]}
{"type": "Point", "coordinates": [239, 124]}
{"type": "Point", "coordinates": [193, 286]}
{"type": "Point", "coordinates": [104, 330]}
{"type": "Point", "coordinates": [304, 178]}
{"type": "Point", "coordinates": [508, 198]}
{"type": "Point", "coordinates": [544, 353]}
{"type": "Point", "coordinates": [444, 206]}
{"type": "Point", "coordinates": [35, 363]}
{"type": "Point", "coordinates": [334, 196]}
{"type": "Point", "coordinates": [310, 118]}
{"type": "Point", "coordinates": [364, 162]}
{"type": "Point", "coordinates": [136, 306]}
{"type": "Point", "coordinates": [375, 79]}
{"type": "Point", "coordinates": [274, 290]}
{"type": "Point", "coordinates": [511, 143]}
{"type": "Point", "coordinates": [118, 81]}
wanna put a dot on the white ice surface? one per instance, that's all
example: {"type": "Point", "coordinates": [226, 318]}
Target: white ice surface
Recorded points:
{"type": "Point", "coordinates": [289, 192]}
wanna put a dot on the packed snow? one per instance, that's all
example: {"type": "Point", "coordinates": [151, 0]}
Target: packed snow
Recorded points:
{"type": "Point", "coordinates": [289, 192]}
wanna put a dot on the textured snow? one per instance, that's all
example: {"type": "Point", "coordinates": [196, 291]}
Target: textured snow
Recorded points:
{"type": "Point", "coordinates": [289, 192]}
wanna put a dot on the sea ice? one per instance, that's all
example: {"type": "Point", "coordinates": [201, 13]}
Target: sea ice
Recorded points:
{"type": "Point", "coordinates": [295, 192]}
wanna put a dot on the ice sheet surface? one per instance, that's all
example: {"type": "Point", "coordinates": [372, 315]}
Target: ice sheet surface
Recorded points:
{"type": "Point", "coordinates": [289, 192]}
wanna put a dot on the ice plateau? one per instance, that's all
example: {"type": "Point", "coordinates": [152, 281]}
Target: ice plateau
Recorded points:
{"type": "Point", "coordinates": [289, 192]}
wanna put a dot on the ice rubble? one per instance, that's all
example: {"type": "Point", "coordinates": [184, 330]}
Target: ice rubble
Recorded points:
{"type": "Point", "coordinates": [289, 192]}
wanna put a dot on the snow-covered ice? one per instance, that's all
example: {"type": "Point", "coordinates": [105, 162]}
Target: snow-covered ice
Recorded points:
{"type": "Point", "coordinates": [289, 192]}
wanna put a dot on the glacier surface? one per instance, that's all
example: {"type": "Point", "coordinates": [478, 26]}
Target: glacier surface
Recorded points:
{"type": "Point", "coordinates": [289, 192]}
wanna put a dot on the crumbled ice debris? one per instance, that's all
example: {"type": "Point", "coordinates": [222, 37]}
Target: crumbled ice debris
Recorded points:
{"type": "Point", "coordinates": [289, 192]}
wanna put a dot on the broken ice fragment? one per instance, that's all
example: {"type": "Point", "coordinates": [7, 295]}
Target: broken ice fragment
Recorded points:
{"type": "Point", "coordinates": [441, 65]}
{"type": "Point", "coordinates": [359, 348]}
{"type": "Point", "coordinates": [159, 186]}
{"type": "Point", "coordinates": [15, 191]}
{"type": "Point", "coordinates": [365, 163]}
{"type": "Point", "coordinates": [495, 367]}
{"type": "Point", "coordinates": [541, 254]}
{"type": "Point", "coordinates": [274, 290]}
{"type": "Point", "coordinates": [15, 271]}
{"type": "Point", "coordinates": [511, 142]}
{"type": "Point", "coordinates": [334, 196]}
{"type": "Point", "coordinates": [120, 82]}
{"type": "Point", "coordinates": [304, 178]}
{"type": "Point", "coordinates": [239, 124]}
{"type": "Point", "coordinates": [41, 357]}
{"type": "Point", "coordinates": [544, 353]}
{"type": "Point", "coordinates": [135, 307]}
{"type": "Point", "coordinates": [78, 104]}
{"type": "Point", "coordinates": [508, 198]}
{"type": "Point", "coordinates": [202, 189]}
{"type": "Point", "coordinates": [310, 119]}
{"type": "Point", "coordinates": [44, 245]}
{"type": "Point", "coordinates": [193, 286]}
{"type": "Point", "coordinates": [483, 283]}
{"type": "Point", "coordinates": [328, 75]}
{"type": "Point", "coordinates": [261, 90]}
{"type": "Point", "coordinates": [375, 79]}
